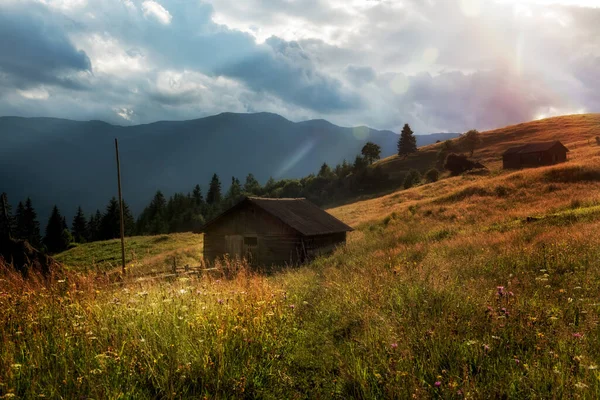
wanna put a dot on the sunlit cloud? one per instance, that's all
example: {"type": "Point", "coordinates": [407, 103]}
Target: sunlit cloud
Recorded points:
{"type": "Point", "coordinates": [153, 9]}
{"type": "Point", "coordinates": [39, 93]}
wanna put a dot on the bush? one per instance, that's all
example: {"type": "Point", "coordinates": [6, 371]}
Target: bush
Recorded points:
{"type": "Point", "coordinates": [412, 178]}
{"type": "Point", "coordinates": [432, 175]}
{"type": "Point", "coordinates": [501, 191]}
{"type": "Point", "coordinates": [457, 164]}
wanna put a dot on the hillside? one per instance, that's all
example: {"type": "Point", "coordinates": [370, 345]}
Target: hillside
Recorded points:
{"type": "Point", "coordinates": [71, 163]}
{"type": "Point", "coordinates": [143, 254]}
{"type": "Point", "coordinates": [575, 131]}
{"type": "Point", "coordinates": [470, 287]}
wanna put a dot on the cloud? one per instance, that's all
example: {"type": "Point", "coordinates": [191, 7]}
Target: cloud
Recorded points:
{"type": "Point", "coordinates": [439, 65]}
{"type": "Point", "coordinates": [283, 68]}
{"type": "Point", "coordinates": [35, 49]}
{"type": "Point", "coordinates": [155, 10]}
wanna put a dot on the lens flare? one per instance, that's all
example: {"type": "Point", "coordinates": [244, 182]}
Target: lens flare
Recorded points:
{"type": "Point", "coordinates": [360, 132]}
{"type": "Point", "coordinates": [471, 8]}
{"type": "Point", "coordinates": [430, 55]}
{"type": "Point", "coordinates": [400, 84]}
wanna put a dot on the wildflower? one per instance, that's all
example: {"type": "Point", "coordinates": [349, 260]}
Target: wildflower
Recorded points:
{"type": "Point", "coordinates": [577, 335]}
{"type": "Point", "coordinates": [220, 301]}
{"type": "Point", "coordinates": [437, 384]}
{"type": "Point", "coordinates": [517, 361]}
{"type": "Point", "coordinates": [511, 294]}
{"type": "Point", "coordinates": [459, 392]}
{"type": "Point", "coordinates": [394, 345]}
{"type": "Point", "coordinates": [292, 306]}
{"type": "Point", "coordinates": [500, 291]}
{"type": "Point", "coordinates": [486, 348]}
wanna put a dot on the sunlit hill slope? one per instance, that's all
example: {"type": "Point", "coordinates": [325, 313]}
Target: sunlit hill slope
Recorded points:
{"type": "Point", "coordinates": [476, 286]}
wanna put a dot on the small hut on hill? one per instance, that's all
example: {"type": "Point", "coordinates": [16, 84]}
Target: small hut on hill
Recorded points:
{"type": "Point", "coordinates": [273, 232]}
{"type": "Point", "coordinates": [534, 155]}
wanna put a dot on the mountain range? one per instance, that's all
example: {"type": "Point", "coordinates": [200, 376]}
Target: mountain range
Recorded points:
{"type": "Point", "coordinates": [72, 163]}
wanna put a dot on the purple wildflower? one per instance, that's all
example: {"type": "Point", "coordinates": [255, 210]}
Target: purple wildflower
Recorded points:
{"type": "Point", "coordinates": [292, 306]}
{"type": "Point", "coordinates": [486, 348]}
{"type": "Point", "coordinates": [220, 301]}
{"type": "Point", "coordinates": [437, 384]}
{"type": "Point", "coordinates": [394, 345]}
{"type": "Point", "coordinates": [577, 335]}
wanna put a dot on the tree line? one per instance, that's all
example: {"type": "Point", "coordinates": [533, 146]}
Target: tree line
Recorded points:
{"type": "Point", "coordinates": [187, 212]}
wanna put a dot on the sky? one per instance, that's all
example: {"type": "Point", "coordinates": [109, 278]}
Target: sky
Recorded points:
{"type": "Point", "coordinates": [439, 65]}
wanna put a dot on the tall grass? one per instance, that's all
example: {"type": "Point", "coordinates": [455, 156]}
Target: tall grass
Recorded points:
{"type": "Point", "coordinates": [402, 311]}
{"type": "Point", "coordinates": [446, 290]}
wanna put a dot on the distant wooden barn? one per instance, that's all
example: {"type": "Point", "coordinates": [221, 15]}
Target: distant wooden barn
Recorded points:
{"type": "Point", "coordinates": [534, 155]}
{"type": "Point", "coordinates": [273, 232]}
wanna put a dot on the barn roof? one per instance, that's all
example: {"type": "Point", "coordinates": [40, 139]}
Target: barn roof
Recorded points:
{"type": "Point", "coordinates": [535, 147]}
{"type": "Point", "coordinates": [299, 214]}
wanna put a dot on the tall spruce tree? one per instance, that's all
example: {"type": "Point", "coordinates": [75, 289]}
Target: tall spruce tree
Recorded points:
{"type": "Point", "coordinates": [197, 196]}
{"type": "Point", "coordinates": [20, 229]}
{"type": "Point", "coordinates": [407, 143]}
{"type": "Point", "coordinates": [128, 221]}
{"type": "Point", "coordinates": [153, 220]}
{"type": "Point", "coordinates": [30, 225]}
{"type": "Point", "coordinates": [56, 240]}
{"type": "Point", "coordinates": [79, 227]}
{"type": "Point", "coordinates": [7, 222]}
{"type": "Point", "coordinates": [234, 194]}
{"type": "Point", "coordinates": [94, 226]}
{"type": "Point", "coordinates": [213, 197]}
{"type": "Point", "coordinates": [110, 223]}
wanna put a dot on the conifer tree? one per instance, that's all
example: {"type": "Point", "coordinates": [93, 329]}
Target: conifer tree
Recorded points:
{"type": "Point", "coordinates": [56, 240]}
{"type": "Point", "coordinates": [6, 218]}
{"type": "Point", "coordinates": [371, 152]}
{"type": "Point", "coordinates": [325, 171]}
{"type": "Point", "coordinates": [128, 221]}
{"type": "Point", "coordinates": [110, 223]}
{"type": "Point", "coordinates": [407, 143]}
{"type": "Point", "coordinates": [234, 194]}
{"type": "Point", "coordinates": [252, 186]}
{"type": "Point", "coordinates": [153, 220]}
{"type": "Point", "coordinates": [197, 196]}
{"type": "Point", "coordinates": [94, 226]}
{"type": "Point", "coordinates": [30, 225]}
{"type": "Point", "coordinates": [20, 229]}
{"type": "Point", "coordinates": [213, 197]}
{"type": "Point", "coordinates": [269, 186]}
{"type": "Point", "coordinates": [79, 227]}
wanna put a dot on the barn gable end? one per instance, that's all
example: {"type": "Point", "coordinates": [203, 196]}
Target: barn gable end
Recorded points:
{"type": "Point", "coordinates": [272, 232]}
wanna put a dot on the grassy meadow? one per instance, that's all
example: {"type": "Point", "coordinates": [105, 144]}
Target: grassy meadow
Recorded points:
{"type": "Point", "coordinates": [143, 254]}
{"type": "Point", "coordinates": [471, 287]}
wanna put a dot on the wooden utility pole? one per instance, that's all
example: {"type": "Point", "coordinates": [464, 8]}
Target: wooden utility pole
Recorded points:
{"type": "Point", "coordinates": [120, 207]}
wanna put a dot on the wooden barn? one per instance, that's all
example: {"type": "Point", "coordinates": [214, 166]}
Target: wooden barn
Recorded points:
{"type": "Point", "coordinates": [534, 155]}
{"type": "Point", "coordinates": [273, 232]}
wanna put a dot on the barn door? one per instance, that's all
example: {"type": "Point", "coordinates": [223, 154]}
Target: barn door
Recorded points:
{"type": "Point", "coordinates": [235, 246]}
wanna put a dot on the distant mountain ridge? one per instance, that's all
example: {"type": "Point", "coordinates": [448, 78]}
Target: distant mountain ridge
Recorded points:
{"type": "Point", "coordinates": [72, 163]}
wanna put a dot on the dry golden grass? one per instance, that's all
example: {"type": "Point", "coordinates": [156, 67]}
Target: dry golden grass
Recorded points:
{"type": "Point", "coordinates": [531, 189]}
{"type": "Point", "coordinates": [577, 132]}
{"type": "Point", "coordinates": [446, 290]}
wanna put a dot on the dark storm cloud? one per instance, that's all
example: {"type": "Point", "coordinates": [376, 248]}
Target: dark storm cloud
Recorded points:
{"type": "Point", "coordinates": [34, 49]}
{"type": "Point", "coordinates": [285, 69]}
